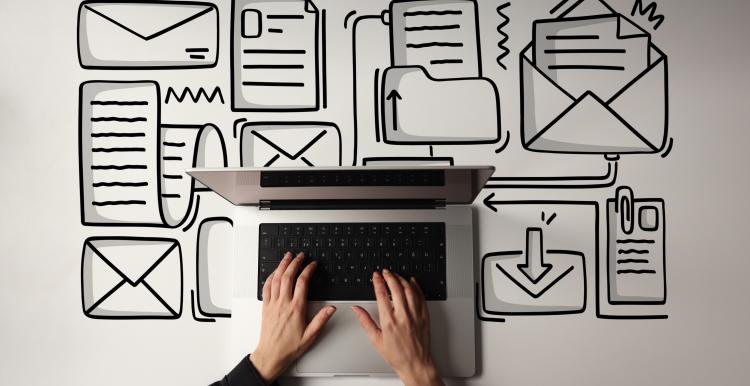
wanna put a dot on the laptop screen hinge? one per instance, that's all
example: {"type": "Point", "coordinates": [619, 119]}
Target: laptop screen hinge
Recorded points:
{"type": "Point", "coordinates": [351, 204]}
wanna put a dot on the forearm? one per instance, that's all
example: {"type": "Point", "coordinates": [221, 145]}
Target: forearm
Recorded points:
{"type": "Point", "coordinates": [244, 374]}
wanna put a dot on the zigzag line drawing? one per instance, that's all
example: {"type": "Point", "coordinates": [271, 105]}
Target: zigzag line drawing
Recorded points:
{"type": "Point", "coordinates": [649, 11]}
{"type": "Point", "coordinates": [194, 96]}
{"type": "Point", "coordinates": [504, 51]}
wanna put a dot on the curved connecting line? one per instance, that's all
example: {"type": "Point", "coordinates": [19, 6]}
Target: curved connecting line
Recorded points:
{"type": "Point", "coordinates": [566, 182]}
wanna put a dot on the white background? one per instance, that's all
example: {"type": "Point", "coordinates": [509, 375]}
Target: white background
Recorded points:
{"type": "Point", "coordinates": [46, 339]}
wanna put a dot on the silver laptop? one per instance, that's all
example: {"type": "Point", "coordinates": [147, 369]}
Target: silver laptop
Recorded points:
{"type": "Point", "coordinates": [416, 221]}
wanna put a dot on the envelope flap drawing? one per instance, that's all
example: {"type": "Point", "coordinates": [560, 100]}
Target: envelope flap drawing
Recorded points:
{"type": "Point", "coordinates": [291, 142]}
{"type": "Point", "coordinates": [148, 20]}
{"type": "Point", "coordinates": [588, 8]}
{"type": "Point", "coordinates": [134, 262]}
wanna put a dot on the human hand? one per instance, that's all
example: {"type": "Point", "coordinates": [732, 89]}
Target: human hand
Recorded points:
{"type": "Point", "coordinates": [403, 337]}
{"type": "Point", "coordinates": [284, 333]}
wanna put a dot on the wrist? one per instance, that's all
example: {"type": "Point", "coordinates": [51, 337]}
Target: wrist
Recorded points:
{"type": "Point", "coordinates": [267, 369]}
{"type": "Point", "coordinates": [425, 374]}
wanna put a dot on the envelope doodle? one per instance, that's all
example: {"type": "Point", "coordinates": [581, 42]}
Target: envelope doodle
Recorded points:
{"type": "Point", "coordinates": [147, 34]}
{"type": "Point", "coordinates": [131, 278]}
{"type": "Point", "coordinates": [593, 82]}
{"type": "Point", "coordinates": [289, 144]}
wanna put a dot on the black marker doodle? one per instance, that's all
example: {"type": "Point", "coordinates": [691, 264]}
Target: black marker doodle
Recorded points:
{"type": "Point", "coordinates": [504, 51]}
{"type": "Point", "coordinates": [131, 166]}
{"type": "Point", "coordinates": [558, 6]}
{"type": "Point", "coordinates": [634, 273]}
{"type": "Point", "coordinates": [539, 280]}
{"type": "Point", "coordinates": [112, 35]}
{"type": "Point", "coordinates": [568, 77]}
{"type": "Point", "coordinates": [299, 143]}
{"type": "Point", "coordinates": [277, 70]}
{"type": "Point", "coordinates": [648, 11]}
{"type": "Point", "coordinates": [668, 150]}
{"type": "Point", "coordinates": [193, 96]}
{"type": "Point", "coordinates": [131, 278]}
{"type": "Point", "coordinates": [192, 310]}
{"type": "Point", "coordinates": [213, 261]}
{"type": "Point", "coordinates": [562, 182]}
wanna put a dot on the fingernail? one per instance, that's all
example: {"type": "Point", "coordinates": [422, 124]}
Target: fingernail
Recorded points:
{"type": "Point", "coordinates": [385, 270]}
{"type": "Point", "coordinates": [330, 310]}
{"type": "Point", "coordinates": [288, 255]}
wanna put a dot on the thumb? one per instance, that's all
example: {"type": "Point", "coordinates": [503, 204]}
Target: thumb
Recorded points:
{"type": "Point", "coordinates": [316, 325]}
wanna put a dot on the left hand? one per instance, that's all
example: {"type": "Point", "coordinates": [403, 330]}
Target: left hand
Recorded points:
{"type": "Point", "coordinates": [284, 333]}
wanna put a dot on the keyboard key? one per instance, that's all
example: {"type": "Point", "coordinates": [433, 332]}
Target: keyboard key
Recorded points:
{"type": "Point", "coordinates": [348, 253]}
{"type": "Point", "coordinates": [269, 229]}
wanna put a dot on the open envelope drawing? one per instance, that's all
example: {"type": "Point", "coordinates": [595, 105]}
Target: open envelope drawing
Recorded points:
{"type": "Point", "coordinates": [131, 278]}
{"type": "Point", "coordinates": [625, 116]}
{"type": "Point", "coordinates": [290, 144]}
{"type": "Point", "coordinates": [147, 35]}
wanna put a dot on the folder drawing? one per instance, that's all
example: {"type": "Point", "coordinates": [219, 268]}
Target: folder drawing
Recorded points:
{"type": "Point", "coordinates": [147, 34]}
{"type": "Point", "coordinates": [419, 109]}
{"type": "Point", "coordinates": [132, 167]}
{"type": "Point", "coordinates": [275, 55]}
{"type": "Point", "coordinates": [131, 278]}
{"type": "Point", "coordinates": [592, 82]}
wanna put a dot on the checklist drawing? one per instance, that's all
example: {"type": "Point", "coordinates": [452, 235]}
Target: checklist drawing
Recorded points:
{"type": "Point", "coordinates": [133, 35]}
{"type": "Point", "coordinates": [592, 82]}
{"type": "Point", "coordinates": [276, 55]}
{"type": "Point", "coordinates": [131, 166]}
{"type": "Point", "coordinates": [131, 278]}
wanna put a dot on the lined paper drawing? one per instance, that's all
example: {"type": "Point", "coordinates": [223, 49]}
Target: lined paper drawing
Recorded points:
{"type": "Point", "coordinates": [132, 167]}
{"type": "Point", "coordinates": [275, 55]}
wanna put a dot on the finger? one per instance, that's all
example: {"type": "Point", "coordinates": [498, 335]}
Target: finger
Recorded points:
{"type": "Point", "coordinates": [287, 280]}
{"type": "Point", "coordinates": [267, 289]}
{"type": "Point", "coordinates": [276, 285]}
{"type": "Point", "coordinates": [412, 301]}
{"type": "Point", "coordinates": [397, 292]}
{"type": "Point", "coordinates": [385, 308]}
{"type": "Point", "coordinates": [303, 282]}
{"type": "Point", "coordinates": [368, 324]}
{"type": "Point", "coordinates": [420, 295]}
{"type": "Point", "coordinates": [316, 325]}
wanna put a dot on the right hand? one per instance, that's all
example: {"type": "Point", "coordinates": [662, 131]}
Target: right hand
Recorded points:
{"type": "Point", "coordinates": [403, 336]}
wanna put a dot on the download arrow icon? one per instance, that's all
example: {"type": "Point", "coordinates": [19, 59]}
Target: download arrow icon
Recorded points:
{"type": "Point", "coordinates": [534, 268]}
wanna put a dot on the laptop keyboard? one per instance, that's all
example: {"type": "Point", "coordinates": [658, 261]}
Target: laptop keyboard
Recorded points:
{"type": "Point", "coordinates": [348, 254]}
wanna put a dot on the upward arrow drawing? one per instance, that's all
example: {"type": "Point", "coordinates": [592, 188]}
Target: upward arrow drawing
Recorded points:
{"type": "Point", "coordinates": [534, 268]}
{"type": "Point", "coordinates": [394, 96]}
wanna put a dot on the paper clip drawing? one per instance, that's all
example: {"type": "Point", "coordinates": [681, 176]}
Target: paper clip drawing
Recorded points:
{"type": "Point", "coordinates": [213, 265]}
{"type": "Point", "coordinates": [634, 273]}
{"type": "Point", "coordinates": [132, 167]}
{"type": "Point", "coordinates": [546, 273]}
{"type": "Point", "coordinates": [276, 58]}
{"type": "Point", "coordinates": [265, 144]}
{"type": "Point", "coordinates": [593, 83]}
{"type": "Point", "coordinates": [131, 278]}
{"type": "Point", "coordinates": [122, 35]}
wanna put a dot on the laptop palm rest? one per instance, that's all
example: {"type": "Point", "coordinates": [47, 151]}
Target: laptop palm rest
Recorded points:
{"type": "Point", "coordinates": [343, 347]}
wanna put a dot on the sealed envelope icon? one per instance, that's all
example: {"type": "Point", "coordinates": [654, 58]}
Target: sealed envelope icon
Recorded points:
{"type": "Point", "coordinates": [290, 144]}
{"type": "Point", "coordinates": [131, 278]}
{"type": "Point", "coordinates": [147, 34]}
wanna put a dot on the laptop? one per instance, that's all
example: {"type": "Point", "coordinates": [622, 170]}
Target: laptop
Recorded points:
{"type": "Point", "coordinates": [415, 221]}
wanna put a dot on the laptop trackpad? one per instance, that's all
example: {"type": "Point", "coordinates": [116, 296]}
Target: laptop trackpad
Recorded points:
{"type": "Point", "coordinates": [343, 347]}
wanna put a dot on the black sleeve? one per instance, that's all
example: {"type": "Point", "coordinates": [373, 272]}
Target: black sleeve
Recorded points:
{"type": "Point", "coordinates": [244, 374]}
